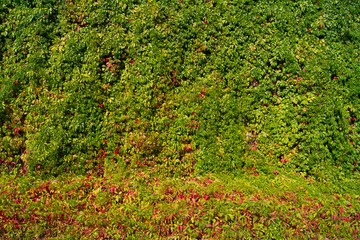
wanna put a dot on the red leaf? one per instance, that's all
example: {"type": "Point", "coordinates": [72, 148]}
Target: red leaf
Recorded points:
{"type": "Point", "coordinates": [341, 210]}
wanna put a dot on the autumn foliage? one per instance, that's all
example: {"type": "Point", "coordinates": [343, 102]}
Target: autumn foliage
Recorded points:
{"type": "Point", "coordinates": [116, 110]}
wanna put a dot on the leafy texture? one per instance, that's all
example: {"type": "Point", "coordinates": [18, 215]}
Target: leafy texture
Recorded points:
{"type": "Point", "coordinates": [175, 87]}
{"type": "Point", "coordinates": [94, 90]}
{"type": "Point", "coordinates": [147, 207]}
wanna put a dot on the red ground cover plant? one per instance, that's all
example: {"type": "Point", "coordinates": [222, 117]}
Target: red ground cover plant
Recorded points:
{"type": "Point", "coordinates": [148, 207]}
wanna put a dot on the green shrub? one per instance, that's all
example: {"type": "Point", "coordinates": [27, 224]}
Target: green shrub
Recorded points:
{"type": "Point", "coordinates": [180, 86]}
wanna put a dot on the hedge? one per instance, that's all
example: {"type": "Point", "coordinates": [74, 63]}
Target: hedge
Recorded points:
{"type": "Point", "coordinates": [177, 87]}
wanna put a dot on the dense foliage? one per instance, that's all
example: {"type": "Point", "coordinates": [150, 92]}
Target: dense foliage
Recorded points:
{"type": "Point", "coordinates": [92, 86]}
{"type": "Point", "coordinates": [147, 207]}
{"type": "Point", "coordinates": [177, 89]}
